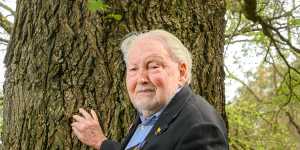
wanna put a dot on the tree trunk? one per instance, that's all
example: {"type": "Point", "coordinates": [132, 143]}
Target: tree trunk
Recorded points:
{"type": "Point", "coordinates": [61, 57]}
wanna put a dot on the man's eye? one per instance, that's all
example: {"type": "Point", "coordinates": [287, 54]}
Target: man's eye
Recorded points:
{"type": "Point", "coordinates": [132, 69]}
{"type": "Point", "coordinates": [154, 66]}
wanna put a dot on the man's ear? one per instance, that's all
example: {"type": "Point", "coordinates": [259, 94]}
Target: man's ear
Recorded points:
{"type": "Point", "coordinates": [183, 73]}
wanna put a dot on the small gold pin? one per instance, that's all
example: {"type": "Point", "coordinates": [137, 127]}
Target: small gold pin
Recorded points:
{"type": "Point", "coordinates": [157, 131]}
{"type": "Point", "coordinates": [136, 148]}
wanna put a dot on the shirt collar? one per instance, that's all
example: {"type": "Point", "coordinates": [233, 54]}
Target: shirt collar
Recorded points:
{"type": "Point", "coordinates": [154, 117]}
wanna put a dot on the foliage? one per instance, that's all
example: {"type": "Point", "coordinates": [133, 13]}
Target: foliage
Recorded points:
{"type": "Point", "coordinates": [95, 5]}
{"type": "Point", "coordinates": [263, 123]}
{"type": "Point", "coordinates": [1, 113]}
{"type": "Point", "coordinates": [99, 5]}
{"type": "Point", "coordinates": [264, 115]}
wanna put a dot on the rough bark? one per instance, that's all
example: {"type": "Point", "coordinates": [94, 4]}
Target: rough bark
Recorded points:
{"type": "Point", "coordinates": [62, 57]}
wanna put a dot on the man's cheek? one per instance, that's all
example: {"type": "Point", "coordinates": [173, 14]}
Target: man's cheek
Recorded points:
{"type": "Point", "coordinates": [158, 81]}
{"type": "Point", "coordinates": [130, 83]}
{"type": "Point", "coordinates": [131, 92]}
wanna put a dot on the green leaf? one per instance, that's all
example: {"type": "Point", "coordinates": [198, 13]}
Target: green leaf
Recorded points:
{"type": "Point", "coordinates": [295, 22]}
{"type": "Point", "coordinates": [95, 5]}
{"type": "Point", "coordinates": [117, 17]}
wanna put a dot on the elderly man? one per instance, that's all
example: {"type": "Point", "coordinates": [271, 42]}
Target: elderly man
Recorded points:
{"type": "Point", "coordinates": [170, 116]}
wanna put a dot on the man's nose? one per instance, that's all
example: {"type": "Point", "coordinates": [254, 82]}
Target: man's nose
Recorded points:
{"type": "Point", "coordinates": [143, 76]}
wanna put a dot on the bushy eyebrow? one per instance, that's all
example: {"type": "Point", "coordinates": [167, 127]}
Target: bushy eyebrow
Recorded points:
{"type": "Point", "coordinates": [154, 58]}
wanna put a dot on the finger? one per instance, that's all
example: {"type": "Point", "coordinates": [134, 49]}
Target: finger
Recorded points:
{"type": "Point", "coordinates": [78, 118]}
{"type": "Point", "coordinates": [85, 114]}
{"type": "Point", "coordinates": [94, 115]}
{"type": "Point", "coordinates": [75, 124]}
{"type": "Point", "coordinates": [76, 132]}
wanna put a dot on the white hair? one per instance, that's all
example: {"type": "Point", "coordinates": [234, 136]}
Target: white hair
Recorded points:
{"type": "Point", "coordinates": [177, 50]}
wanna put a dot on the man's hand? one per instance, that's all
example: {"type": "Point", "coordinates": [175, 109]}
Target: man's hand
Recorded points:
{"type": "Point", "coordinates": [87, 128]}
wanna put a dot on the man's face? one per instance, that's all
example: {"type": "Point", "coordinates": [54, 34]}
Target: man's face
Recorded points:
{"type": "Point", "coordinates": [152, 76]}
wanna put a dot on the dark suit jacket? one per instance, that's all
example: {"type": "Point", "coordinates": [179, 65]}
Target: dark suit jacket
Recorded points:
{"type": "Point", "coordinates": [187, 123]}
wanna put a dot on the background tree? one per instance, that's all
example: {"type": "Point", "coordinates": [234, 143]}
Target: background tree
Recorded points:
{"type": "Point", "coordinates": [6, 17]}
{"type": "Point", "coordinates": [5, 24]}
{"type": "Point", "coordinates": [269, 119]}
{"type": "Point", "coordinates": [61, 57]}
{"type": "Point", "coordinates": [264, 115]}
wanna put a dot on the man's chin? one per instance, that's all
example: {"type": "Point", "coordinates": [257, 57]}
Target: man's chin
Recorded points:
{"type": "Point", "coordinates": [144, 99]}
{"type": "Point", "coordinates": [147, 108]}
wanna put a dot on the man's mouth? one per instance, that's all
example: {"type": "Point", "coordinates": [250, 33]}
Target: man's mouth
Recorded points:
{"type": "Point", "coordinates": [146, 90]}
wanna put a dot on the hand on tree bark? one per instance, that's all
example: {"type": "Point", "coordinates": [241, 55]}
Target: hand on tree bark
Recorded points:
{"type": "Point", "coordinates": [87, 128]}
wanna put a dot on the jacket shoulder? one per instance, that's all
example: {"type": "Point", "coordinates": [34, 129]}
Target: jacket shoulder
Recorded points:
{"type": "Point", "coordinates": [198, 111]}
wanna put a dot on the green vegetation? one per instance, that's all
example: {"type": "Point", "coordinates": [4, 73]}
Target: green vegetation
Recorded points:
{"type": "Point", "coordinates": [267, 120]}
{"type": "Point", "coordinates": [265, 114]}
{"type": "Point", "coordinates": [1, 113]}
{"type": "Point", "coordinates": [99, 5]}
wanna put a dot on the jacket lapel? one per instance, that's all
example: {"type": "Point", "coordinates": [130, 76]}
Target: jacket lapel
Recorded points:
{"type": "Point", "coordinates": [169, 114]}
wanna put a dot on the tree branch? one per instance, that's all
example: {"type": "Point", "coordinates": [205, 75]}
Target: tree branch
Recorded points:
{"type": "Point", "coordinates": [284, 39]}
{"type": "Point", "coordinates": [4, 41]}
{"type": "Point", "coordinates": [292, 121]}
{"type": "Point", "coordinates": [249, 29]}
{"type": "Point", "coordinates": [251, 14]}
{"type": "Point", "coordinates": [282, 56]}
{"type": "Point", "coordinates": [5, 24]}
{"type": "Point", "coordinates": [235, 30]}
{"type": "Point", "coordinates": [285, 14]}
{"type": "Point", "coordinates": [238, 41]}
{"type": "Point", "coordinates": [7, 8]}
{"type": "Point", "coordinates": [231, 76]}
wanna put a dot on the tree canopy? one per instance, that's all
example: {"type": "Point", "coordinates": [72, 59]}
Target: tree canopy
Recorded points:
{"type": "Point", "coordinates": [264, 114]}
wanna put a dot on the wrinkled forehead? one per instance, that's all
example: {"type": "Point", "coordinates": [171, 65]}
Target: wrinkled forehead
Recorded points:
{"type": "Point", "coordinates": [148, 47]}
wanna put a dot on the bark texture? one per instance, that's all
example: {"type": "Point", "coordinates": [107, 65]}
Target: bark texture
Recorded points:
{"type": "Point", "coordinates": [62, 57]}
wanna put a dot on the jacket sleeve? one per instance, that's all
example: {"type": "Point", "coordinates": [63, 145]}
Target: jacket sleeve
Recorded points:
{"type": "Point", "coordinates": [110, 145]}
{"type": "Point", "coordinates": [203, 137]}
